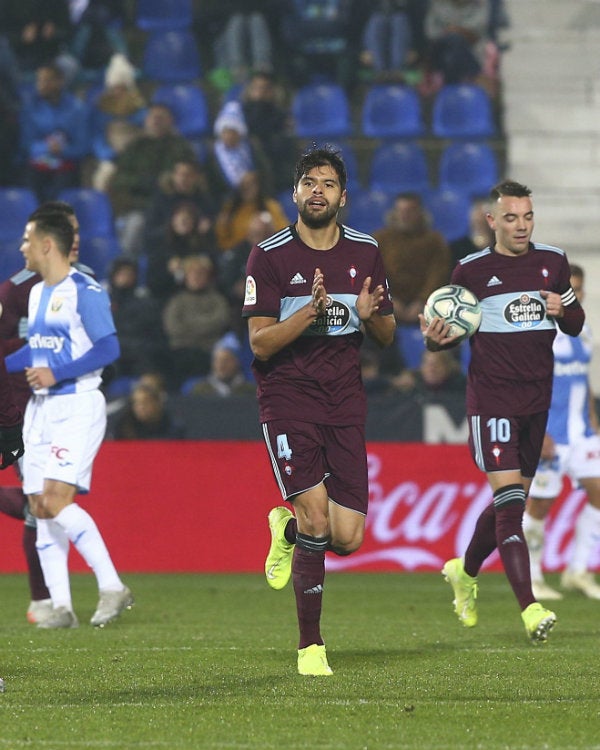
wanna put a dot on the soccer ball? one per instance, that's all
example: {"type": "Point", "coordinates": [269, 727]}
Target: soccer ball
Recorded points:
{"type": "Point", "coordinates": [457, 306]}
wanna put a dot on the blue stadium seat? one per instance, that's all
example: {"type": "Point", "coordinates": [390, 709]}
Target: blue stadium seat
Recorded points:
{"type": "Point", "coordinates": [366, 210]}
{"type": "Point", "coordinates": [120, 386]}
{"type": "Point", "coordinates": [409, 341]}
{"type": "Point", "coordinates": [399, 167]}
{"type": "Point", "coordinates": [93, 210]}
{"type": "Point", "coordinates": [462, 111]}
{"type": "Point", "coordinates": [171, 56]}
{"type": "Point", "coordinates": [15, 206]}
{"type": "Point", "coordinates": [321, 110]}
{"type": "Point", "coordinates": [350, 160]}
{"type": "Point", "coordinates": [11, 258]}
{"type": "Point", "coordinates": [449, 211]}
{"type": "Point", "coordinates": [392, 111]}
{"type": "Point", "coordinates": [189, 106]}
{"type": "Point", "coordinates": [156, 15]}
{"type": "Point", "coordinates": [98, 253]}
{"type": "Point", "coordinates": [470, 167]}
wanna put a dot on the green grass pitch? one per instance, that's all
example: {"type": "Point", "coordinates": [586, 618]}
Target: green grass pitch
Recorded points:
{"type": "Point", "coordinates": [209, 661]}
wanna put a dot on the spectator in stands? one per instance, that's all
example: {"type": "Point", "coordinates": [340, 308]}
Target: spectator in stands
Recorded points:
{"type": "Point", "coordinates": [233, 153]}
{"type": "Point", "coordinates": [54, 135]}
{"type": "Point", "coordinates": [456, 31]}
{"type": "Point", "coordinates": [375, 381]}
{"type": "Point", "coordinates": [387, 40]}
{"type": "Point", "coordinates": [226, 377]}
{"type": "Point", "coordinates": [270, 123]}
{"type": "Point", "coordinates": [186, 182]}
{"type": "Point", "coordinates": [138, 168]}
{"type": "Point", "coordinates": [320, 39]}
{"type": "Point", "coordinates": [145, 417]}
{"type": "Point", "coordinates": [231, 267]}
{"type": "Point", "coordinates": [194, 319]}
{"type": "Point", "coordinates": [119, 102]}
{"type": "Point", "coordinates": [244, 43]}
{"type": "Point", "coordinates": [138, 320]}
{"type": "Point", "coordinates": [188, 232]}
{"type": "Point", "coordinates": [38, 30]}
{"type": "Point", "coordinates": [416, 257]}
{"type": "Point", "coordinates": [434, 375]}
{"type": "Point", "coordinates": [248, 198]}
{"type": "Point", "coordinates": [97, 35]}
{"type": "Point", "coordinates": [480, 235]}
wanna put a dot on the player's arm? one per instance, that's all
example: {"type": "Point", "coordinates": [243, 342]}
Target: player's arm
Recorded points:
{"type": "Point", "coordinates": [566, 310]}
{"type": "Point", "coordinates": [103, 352]}
{"type": "Point", "coordinates": [268, 336]}
{"type": "Point", "coordinates": [380, 328]}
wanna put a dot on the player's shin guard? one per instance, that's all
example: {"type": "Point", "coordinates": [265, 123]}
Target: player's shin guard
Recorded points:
{"type": "Point", "coordinates": [308, 576]}
{"type": "Point", "coordinates": [483, 541]}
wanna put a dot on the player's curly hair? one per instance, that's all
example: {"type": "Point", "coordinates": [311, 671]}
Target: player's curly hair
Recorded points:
{"type": "Point", "coordinates": [321, 156]}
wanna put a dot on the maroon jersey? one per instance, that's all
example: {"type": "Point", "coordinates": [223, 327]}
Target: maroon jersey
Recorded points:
{"type": "Point", "coordinates": [317, 377]}
{"type": "Point", "coordinates": [510, 372]}
{"type": "Point", "coordinates": [14, 299]}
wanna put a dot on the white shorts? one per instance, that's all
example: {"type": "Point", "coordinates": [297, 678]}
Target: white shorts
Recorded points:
{"type": "Point", "coordinates": [578, 461]}
{"type": "Point", "coordinates": [62, 436]}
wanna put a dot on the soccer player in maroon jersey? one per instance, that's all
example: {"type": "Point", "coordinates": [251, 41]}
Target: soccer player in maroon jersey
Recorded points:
{"type": "Point", "coordinates": [525, 292]}
{"type": "Point", "coordinates": [14, 299]}
{"type": "Point", "coordinates": [312, 291]}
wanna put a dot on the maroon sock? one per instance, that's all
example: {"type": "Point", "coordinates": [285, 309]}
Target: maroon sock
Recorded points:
{"type": "Point", "coordinates": [308, 575]}
{"type": "Point", "coordinates": [37, 585]}
{"type": "Point", "coordinates": [514, 552]}
{"type": "Point", "coordinates": [13, 502]}
{"type": "Point", "coordinates": [483, 541]}
{"type": "Point", "coordinates": [291, 529]}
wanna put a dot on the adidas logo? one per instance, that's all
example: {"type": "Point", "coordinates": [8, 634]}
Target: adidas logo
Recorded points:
{"type": "Point", "coordinates": [318, 589]}
{"type": "Point", "coordinates": [494, 281]}
{"type": "Point", "coordinates": [298, 279]}
{"type": "Point", "coordinates": [511, 539]}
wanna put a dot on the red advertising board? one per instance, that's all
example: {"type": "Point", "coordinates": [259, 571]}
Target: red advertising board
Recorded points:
{"type": "Point", "coordinates": [201, 506]}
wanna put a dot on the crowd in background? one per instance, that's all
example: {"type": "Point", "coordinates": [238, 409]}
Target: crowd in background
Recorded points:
{"type": "Point", "coordinates": [79, 109]}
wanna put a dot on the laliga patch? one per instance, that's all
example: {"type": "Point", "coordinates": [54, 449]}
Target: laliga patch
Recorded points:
{"type": "Point", "coordinates": [250, 298]}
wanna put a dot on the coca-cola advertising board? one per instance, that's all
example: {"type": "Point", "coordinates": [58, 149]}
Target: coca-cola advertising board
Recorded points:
{"type": "Point", "coordinates": [201, 506]}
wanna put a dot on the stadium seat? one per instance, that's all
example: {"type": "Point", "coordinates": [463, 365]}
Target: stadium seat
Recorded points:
{"type": "Point", "coordinates": [120, 386]}
{"type": "Point", "coordinates": [171, 56]}
{"type": "Point", "coordinates": [98, 253]}
{"type": "Point", "coordinates": [399, 167]}
{"type": "Point", "coordinates": [289, 207]}
{"type": "Point", "coordinates": [11, 258]}
{"type": "Point", "coordinates": [15, 206]}
{"type": "Point", "coordinates": [366, 210]}
{"type": "Point", "coordinates": [462, 111]}
{"type": "Point", "coordinates": [449, 211]}
{"type": "Point", "coordinates": [321, 110]}
{"type": "Point", "coordinates": [409, 341]}
{"type": "Point", "coordinates": [470, 167]}
{"type": "Point", "coordinates": [189, 106]}
{"type": "Point", "coordinates": [157, 15]}
{"type": "Point", "coordinates": [392, 111]}
{"type": "Point", "coordinates": [93, 210]}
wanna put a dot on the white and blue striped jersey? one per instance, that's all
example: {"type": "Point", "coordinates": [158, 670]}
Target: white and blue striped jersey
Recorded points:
{"type": "Point", "coordinates": [65, 320]}
{"type": "Point", "coordinates": [569, 417]}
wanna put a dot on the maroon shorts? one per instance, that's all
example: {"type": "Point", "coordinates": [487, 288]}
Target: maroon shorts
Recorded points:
{"type": "Point", "coordinates": [507, 443]}
{"type": "Point", "coordinates": [304, 454]}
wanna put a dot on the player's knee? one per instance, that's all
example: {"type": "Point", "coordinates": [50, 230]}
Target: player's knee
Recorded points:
{"type": "Point", "coordinates": [344, 547]}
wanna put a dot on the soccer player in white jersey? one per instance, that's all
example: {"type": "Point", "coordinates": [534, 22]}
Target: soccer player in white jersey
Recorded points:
{"type": "Point", "coordinates": [571, 448]}
{"type": "Point", "coordinates": [71, 337]}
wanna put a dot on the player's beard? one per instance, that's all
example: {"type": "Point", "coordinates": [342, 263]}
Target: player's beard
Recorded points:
{"type": "Point", "coordinates": [320, 220]}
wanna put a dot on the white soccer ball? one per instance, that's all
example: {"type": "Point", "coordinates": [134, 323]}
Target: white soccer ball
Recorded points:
{"type": "Point", "coordinates": [457, 306]}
